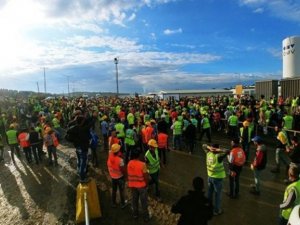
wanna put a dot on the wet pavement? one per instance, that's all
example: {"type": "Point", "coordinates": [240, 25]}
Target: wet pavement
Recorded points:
{"type": "Point", "coordinates": [38, 194]}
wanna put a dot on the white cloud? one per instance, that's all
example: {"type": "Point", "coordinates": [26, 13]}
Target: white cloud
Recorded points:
{"type": "Point", "coordinates": [258, 10]}
{"type": "Point", "coordinates": [286, 10]}
{"type": "Point", "coordinates": [132, 17]}
{"type": "Point", "coordinates": [170, 32]}
{"type": "Point", "coordinates": [153, 36]}
{"type": "Point", "coordinates": [275, 52]}
{"type": "Point", "coordinates": [184, 46]}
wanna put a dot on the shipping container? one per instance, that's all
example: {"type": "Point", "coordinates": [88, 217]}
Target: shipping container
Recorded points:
{"type": "Point", "coordinates": [268, 88]}
{"type": "Point", "coordinates": [290, 87]}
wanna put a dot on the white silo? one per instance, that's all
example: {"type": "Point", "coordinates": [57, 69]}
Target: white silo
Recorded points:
{"type": "Point", "coordinates": [291, 57]}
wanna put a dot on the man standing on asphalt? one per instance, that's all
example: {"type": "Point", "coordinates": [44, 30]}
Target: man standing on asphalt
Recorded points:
{"type": "Point", "coordinates": [216, 174]}
{"type": "Point", "coordinates": [291, 195]}
{"type": "Point", "coordinates": [195, 208]}
{"type": "Point", "coordinates": [116, 169]}
{"type": "Point", "coordinates": [259, 163]}
{"type": "Point", "coordinates": [281, 156]}
{"type": "Point", "coordinates": [81, 141]}
{"type": "Point", "coordinates": [205, 128]}
{"type": "Point", "coordinates": [153, 163]}
{"type": "Point", "coordinates": [236, 160]}
{"type": "Point", "coordinates": [138, 182]}
{"type": "Point", "coordinates": [12, 140]}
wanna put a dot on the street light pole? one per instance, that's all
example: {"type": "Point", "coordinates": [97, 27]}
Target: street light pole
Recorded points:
{"type": "Point", "coordinates": [45, 85]}
{"type": "Point", "coordinates": [117, 75]}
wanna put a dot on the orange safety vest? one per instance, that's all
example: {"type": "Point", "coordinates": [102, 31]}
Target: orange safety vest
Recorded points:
{"type": "Point", "coordinates": [24, 139]}
{"type": "Point", "coordinates": [113, 140]}
{"type": "Point", "coordinates": [162, 140]}
{"type": "Point", "coordinates": [113, 164]}
{"type": "Point", "coordinates": [144, 135]}
{"type": "Point", "coordinates": [239, 157]}
{"type": "Point", "coordinates": [148, 133]}
{"type": "Point", "coordinates": [135, 174]}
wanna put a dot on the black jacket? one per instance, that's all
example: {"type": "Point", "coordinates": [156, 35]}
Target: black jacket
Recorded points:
{"type": "Point", "coordinates": [195, 209]}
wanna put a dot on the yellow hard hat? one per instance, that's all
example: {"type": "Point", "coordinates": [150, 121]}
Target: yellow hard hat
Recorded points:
{"type": "Point", "coordinates": [246, 123]}
{"type": "Point", "coordinates": [115, 148]}
{"type": "Point", "coordinates": [152, 143]}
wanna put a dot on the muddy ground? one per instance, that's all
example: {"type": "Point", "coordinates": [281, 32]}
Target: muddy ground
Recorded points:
{"type": "Point", "coordinates": [39, 194]}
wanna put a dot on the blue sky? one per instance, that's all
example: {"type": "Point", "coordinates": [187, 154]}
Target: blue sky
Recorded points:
{"type": "Point", "coordinates": [160, 44]}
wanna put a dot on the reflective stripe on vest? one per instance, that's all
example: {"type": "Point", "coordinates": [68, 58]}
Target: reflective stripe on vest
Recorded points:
{"type": "Point", "coordinates": [214, 168]}
{"type": "Point", "coordinates": [153, 165]}
{"type": "Point", "coordinates": [113, 164]}
{"type": "Point", "coordinates": [135, 174]}
{"type": "Point", "coordinates": [293, 186]}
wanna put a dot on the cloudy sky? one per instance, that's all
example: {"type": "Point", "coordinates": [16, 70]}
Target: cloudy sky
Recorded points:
{"type": "Point", "coordinates": [160, 44]}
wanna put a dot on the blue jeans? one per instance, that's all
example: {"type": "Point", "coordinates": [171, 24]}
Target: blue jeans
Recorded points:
{"type": "Point", "coordinates": [215, 186]}
{"type": "Point", "coordinates": [82, 162]}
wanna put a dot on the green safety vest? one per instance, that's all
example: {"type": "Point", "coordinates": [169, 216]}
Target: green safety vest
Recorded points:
{"type": "Point", "coordinates": [177, 128]}
{"type": "Point", "coordinates": [205, 123]}
{"type": "Point", "coordinates": [130, 118]}
{"type": "Point", "coordinates": [55, 122]}
{"type": "Point", "coordinates": [233, 120]}
{"type": "Point", "coordinates": [153, 165]}
{"type": "Point", "coordinates": [293, 186]}
{"type": "Point", "coordinates": [12, 137]}
{"type": "Point", "coordinates": [214, 168]}
{"type": "Point", "coordinates": [120, 129]}
{"type": "Point", "coordinates": [129, 138]}
{"type": "Point", "coordinates": [194, 122]}
{"type": "Point", "coordinates": [288, 122]}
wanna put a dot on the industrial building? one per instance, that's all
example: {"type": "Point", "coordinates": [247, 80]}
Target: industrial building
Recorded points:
{"type": "Point", "coordinates": [290, 82]}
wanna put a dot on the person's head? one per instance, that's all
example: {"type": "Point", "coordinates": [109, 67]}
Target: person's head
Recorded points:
{"type": "Point", "coordinates": [293, 172]}
{"type": "Point", "coordinates": [152, 144]}
{"type": "Point", "coordinates": [198, 184]}
{"type": "Point", "coordinates": [257, 140]}
{"type": "Point", "coordinates": [115, 148]}
{"type": "Point", "coordinates": [277, 128]}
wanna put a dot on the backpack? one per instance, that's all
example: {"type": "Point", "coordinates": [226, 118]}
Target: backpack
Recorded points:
{"type": "Point", "coordinates": [72, 133]}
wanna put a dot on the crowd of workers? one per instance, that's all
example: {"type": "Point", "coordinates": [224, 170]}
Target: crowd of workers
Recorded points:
{"type": "Point", "coordinates": [137, 133]}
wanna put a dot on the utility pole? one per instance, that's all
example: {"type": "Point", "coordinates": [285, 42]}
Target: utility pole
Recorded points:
{"type": "Point", "coordinates": [38, 88]}
{"type": "Point", "coordinates": [45, 85]}
{"type": "Point", "coordinates": [117, 75]}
